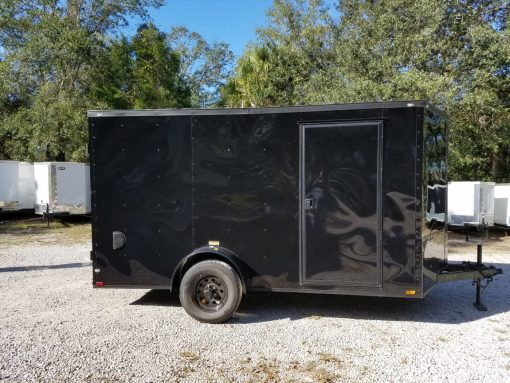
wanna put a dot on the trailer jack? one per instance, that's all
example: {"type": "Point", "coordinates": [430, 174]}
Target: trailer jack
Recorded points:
{"type": "Point", "coordinates": [477, 271]}
{"type": "Point", "coordinates": [46, 216]}
{"type": "Point", "coordinates": [478, 281]}
{"type": "Point", "coordinates": [484, 229]}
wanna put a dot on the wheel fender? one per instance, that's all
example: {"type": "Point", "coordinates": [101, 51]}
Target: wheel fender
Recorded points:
{"type": "Point", "coordinates": [209, 252]}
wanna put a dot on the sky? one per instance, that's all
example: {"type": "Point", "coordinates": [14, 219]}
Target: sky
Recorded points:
{"type": "Point", "coordinates": [230, 21]}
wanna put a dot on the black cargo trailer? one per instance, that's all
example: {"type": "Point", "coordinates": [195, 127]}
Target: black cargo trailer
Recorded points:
{"type": "Point", "coordinates": [340, 199]}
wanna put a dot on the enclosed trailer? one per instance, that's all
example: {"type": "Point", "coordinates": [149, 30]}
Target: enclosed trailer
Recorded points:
{"type": "Point", "coordinates": [17, 187]}
{"type": "Point", "coordinates": [471, 203]}
{"type": "Point", "coordinates": [62, 188]}
{"type": "Point", "coordinates": [317, 199]}
{"type": "Point", "coordinates": [502, 204]}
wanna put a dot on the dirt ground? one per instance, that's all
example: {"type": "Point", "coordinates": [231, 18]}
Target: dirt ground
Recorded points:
{"type": "Point", "coordinates": [498, 241]}
{"type": "Point", "coordinates": [16, 229]}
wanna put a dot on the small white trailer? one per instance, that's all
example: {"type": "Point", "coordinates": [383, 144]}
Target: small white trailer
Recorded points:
{"type": "Point", "coordinates": [17, 187]}
{"type": "Point", "coordinates": [62, 188]}
{"type": "Point", "coordinates": [502, 204]}
{"type": "Point", "coordinates": [470, 203]}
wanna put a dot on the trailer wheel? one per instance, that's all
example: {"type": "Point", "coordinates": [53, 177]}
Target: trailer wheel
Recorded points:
{"type": "Point", "coordinates": [210, 291]}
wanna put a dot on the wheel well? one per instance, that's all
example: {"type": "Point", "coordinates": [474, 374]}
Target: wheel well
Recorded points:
{"type": "Point", "coordinates": [193, 259]}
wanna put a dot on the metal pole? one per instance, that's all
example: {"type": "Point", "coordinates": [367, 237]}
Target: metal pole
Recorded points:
{"type": "Point", "coordinates": [478, 303]}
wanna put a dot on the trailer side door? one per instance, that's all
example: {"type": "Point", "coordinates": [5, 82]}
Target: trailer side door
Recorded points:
{"type": "Point", "coordinates": [340, 198]}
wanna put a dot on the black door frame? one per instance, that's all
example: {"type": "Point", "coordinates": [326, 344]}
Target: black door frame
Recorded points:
{"type": "Point", "coordinates": [302, 192]}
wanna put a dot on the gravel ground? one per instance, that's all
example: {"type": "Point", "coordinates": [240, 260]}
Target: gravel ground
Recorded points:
{"type": "Point", "coordinates": [55, 327]}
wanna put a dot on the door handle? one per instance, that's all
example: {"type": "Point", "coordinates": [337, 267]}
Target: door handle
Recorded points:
{"type": "Point", "coordinates": [309, 204]}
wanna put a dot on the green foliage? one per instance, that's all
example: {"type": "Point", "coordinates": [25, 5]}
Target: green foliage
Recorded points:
{"type": "Point", "coordinates": [252, 85]}
{"type": "Point", "coordinates": [141, 73]}
{"type": "Point", "coordinates": [50, 53]}
{"type": "Point", "coordinates": [155, 70]}
{"type": "Point", "coordinates": [60, 58]}
{"type": "Point", "coordinates": [454, 53]}
{"type": "Point", "coordinates": [113, 77]}
{"type": "Point", "coordinates": [292, 51]}
{"type": "Point", "coordinates": [204, 67]}
{"type": "Point", "coordinates": [51, 128]}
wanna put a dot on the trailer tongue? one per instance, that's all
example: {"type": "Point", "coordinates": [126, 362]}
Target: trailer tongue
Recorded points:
{"type": "Point", "coordinates": [451, 272]}
{"type": "Point", "coordinates": [440, 271]}
{"type": "Point", "coordinates": [476, 271]}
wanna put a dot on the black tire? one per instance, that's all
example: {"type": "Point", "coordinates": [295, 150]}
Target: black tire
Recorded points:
{"type": "Point", "coordinates": [210, 291]}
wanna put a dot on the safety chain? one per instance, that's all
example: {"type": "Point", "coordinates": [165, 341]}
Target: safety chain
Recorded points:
{"type": "Point", "coordinates": [487, 279]}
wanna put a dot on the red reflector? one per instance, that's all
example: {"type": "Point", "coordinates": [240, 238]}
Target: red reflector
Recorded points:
{"type": "Point", "coordinates": [99, 284]}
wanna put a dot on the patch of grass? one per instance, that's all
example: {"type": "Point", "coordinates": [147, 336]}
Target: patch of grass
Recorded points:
{"type": "Point", "coordinates": [317, 373]}
{"type": "Point", "coordinates": [269, 370]}
{"type": "Point", "coordinates": [266, 371]}
{"type": "Point", "coordinates": [315, 317]}
{"type": "Point", "coordinates": [102, 379]}
{"type": "Point", "coordinates": [310, 366]}
{"type": "Point", "coordinates": [501, 330]}
{"type": "Point", "coordinates": [188, 355]}
{"type": "Point", "coordinates": [23, 232]}
{"type": "Point", "coordinates": [321, 375]}
{"type": "Point", "coordinates": [442, 339]}
{"type": "Point", "coordinates": [325, 357]}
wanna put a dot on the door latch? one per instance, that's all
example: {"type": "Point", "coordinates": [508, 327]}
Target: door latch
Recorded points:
{"type": "Point", "coordinates": [309, 204]}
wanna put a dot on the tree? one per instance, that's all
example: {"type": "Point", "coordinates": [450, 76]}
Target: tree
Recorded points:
{"type": "Point", "coordinates": [142, 73]}
{"type": "Point", "coordinates": [113, 82]}
{"type": "Point", "coordinates": [290, 52]}
{"type": "Point", "coordinates": [60, 58]}
{"type": "Point", "coordinates": [251, 85]}
{"type": "Point", "coordinates": [155, 76]}
{"type": "Point", "coordinates": [49, 52]}
{"type": "Point", "coordinates": [204, 67]}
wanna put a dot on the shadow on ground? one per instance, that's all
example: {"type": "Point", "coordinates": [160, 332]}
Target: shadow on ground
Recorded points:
{"type": "Point", "coordinates": [447, 303]}
{"type": "Point", "coordinates": [44, 267]}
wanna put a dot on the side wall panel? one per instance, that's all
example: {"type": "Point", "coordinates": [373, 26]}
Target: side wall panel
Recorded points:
{"type": "Point", "coordinates": [400, 201]}
{"type": "Point", "coordinates": [141, 187]}
{"type": "Point", "coordinates": [246, 191]}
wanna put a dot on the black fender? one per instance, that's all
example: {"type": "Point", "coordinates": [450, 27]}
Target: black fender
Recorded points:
{"type": "Point", "coordinates": [209, 252]}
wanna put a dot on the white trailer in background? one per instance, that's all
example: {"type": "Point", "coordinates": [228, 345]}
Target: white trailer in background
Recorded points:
{"type": "Point", "coordinates": [470, 203]}
{"type": "Point", "coordinates": [502, 204]}
{"type": "Point", "coordinates": [62, 188]}
{"type": "Point", "coordinates": [17, 187]}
